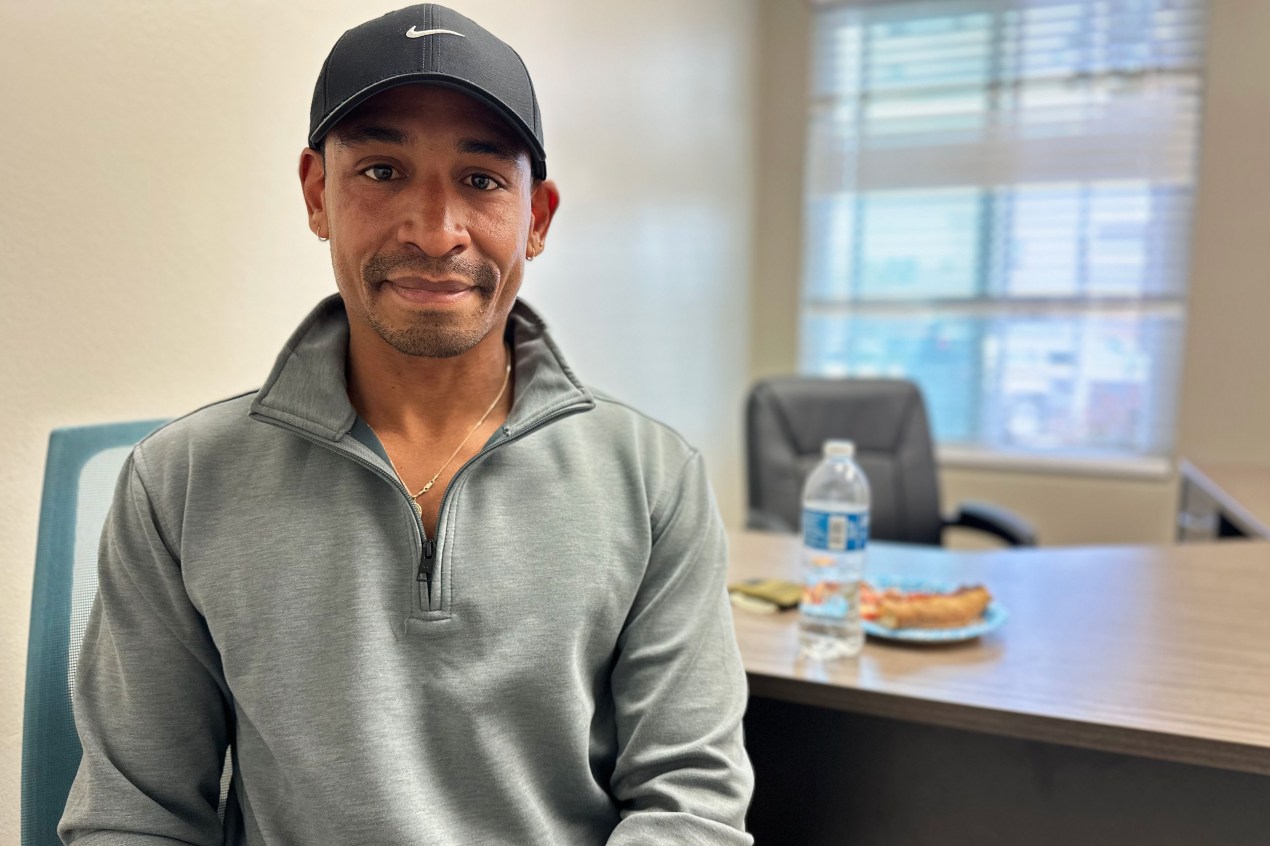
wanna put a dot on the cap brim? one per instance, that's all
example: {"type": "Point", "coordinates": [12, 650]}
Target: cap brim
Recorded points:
{"type": "Point", "coordinates": [537, 156]}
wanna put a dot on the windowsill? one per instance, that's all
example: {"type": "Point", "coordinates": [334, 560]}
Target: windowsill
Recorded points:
{"type": "Point", "coordinates": [1141, 468]}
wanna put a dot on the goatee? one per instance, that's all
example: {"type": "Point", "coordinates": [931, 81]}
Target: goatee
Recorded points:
{"type": "Point", "coordinates": [439, 333]}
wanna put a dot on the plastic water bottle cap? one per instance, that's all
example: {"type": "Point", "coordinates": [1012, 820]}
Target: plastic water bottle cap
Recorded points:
{"type": "Point", "coordinates": [846, 448]}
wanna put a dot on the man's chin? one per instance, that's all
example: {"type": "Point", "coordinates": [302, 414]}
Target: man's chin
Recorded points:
{"type": "Point", "coordinates": [431, 333]}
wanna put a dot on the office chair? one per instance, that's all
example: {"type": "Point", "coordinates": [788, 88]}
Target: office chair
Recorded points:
{"type": "Point", "coordinates": [80, 473]}
{"type": "Point", "coordinates": [788, 419]}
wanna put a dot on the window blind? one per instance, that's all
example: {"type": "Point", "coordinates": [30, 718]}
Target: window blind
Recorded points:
{"type": "Point", "coordinates": [998, 201]}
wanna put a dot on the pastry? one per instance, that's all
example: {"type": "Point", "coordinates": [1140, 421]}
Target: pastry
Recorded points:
{"type": "Point", "coordinates": [898, 610]}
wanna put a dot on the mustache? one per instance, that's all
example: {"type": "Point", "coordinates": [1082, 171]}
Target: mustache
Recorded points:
{"type": "Point", "coordinates": [472, 270]}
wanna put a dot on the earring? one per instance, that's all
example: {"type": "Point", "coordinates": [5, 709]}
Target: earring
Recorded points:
{"type": "Point", "coordinates": [320, 238]}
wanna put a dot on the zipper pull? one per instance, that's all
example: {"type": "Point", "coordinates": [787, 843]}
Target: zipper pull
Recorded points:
{"type": "Point", "coordinates": [426, 564]}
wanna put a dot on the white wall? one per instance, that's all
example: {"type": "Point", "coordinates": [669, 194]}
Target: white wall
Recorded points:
{"type": "Point", "coordinates": [155, 253]}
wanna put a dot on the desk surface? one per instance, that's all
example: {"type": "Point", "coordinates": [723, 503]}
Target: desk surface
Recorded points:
{"type": "Point", "coordinates": [1162, 652]}
{"type": "Point", "coordinates": [1242, 491]}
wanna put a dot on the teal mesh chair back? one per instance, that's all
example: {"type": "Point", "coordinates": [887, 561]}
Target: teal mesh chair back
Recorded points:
{"type": "Point", "coordinates": [79, 482]}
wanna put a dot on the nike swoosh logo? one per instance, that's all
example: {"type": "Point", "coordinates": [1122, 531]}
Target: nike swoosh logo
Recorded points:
{"type": "Point", "coordinates": [420, 33]}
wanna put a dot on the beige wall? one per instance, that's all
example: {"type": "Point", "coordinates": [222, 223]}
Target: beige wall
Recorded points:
{"type": "Point", "coordinates": [1225, 396]}
{"type": "Point", "coordinates": [156, 256]}
{"type": "Point", "coordinates": [1225, 409]}
{"type": "Point", "coordinates": [780, 136]}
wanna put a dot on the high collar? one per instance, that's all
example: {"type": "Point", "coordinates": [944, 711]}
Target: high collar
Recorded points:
{"type": "Point", "coordinates": [307, 387]}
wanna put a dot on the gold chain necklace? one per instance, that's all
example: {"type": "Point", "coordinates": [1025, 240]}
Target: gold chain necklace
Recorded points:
{"type": "Point", "coordinates": [415, 497]}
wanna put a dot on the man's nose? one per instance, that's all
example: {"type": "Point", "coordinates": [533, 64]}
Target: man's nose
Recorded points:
{"type": "Point", "coordinates": [434, 221]}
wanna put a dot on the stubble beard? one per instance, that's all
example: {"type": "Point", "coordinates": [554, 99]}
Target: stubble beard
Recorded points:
{"type": "Point", "coordinates": [439, 333]}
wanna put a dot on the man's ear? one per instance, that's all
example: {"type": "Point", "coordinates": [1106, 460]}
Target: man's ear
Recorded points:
{"type": "Point", "coordinates": [543, 203]}
{"type": "Point", "coordinates": [313, 185]}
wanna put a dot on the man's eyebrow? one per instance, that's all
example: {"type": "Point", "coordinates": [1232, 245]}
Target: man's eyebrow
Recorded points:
{"type": "Point", "coordinates": [485, 147]}
{"type": "Point", "coordinates": [366, 133]}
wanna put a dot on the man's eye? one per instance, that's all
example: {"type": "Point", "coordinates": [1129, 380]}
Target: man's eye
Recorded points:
{"type": "Point", "coordinates": [481, 182]}
{"type": "Point", "coordinates": [379, 172]}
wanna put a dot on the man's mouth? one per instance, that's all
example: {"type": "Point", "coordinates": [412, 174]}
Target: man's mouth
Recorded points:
{"type": "Point", "coordinates": [434, 286]}
{"type": "Point", "coordinates": [418, 290]}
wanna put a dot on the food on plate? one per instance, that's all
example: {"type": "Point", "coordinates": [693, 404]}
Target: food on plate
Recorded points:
{"type": "Point", "coordinates": [899, 609]}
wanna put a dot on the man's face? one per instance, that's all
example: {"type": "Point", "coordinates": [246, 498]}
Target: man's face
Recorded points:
{"type": "Point", "coordinates": [430, 206]}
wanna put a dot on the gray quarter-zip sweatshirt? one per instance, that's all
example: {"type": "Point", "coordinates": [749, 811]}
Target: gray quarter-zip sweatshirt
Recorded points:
{"type": "Point", "coordinates": [557, 666]}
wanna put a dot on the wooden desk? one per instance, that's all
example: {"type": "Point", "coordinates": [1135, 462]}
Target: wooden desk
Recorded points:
{"type": "Point", "coordinates": [1144, 654]}
{"type": "Point", "coordinates": [1223, 501]}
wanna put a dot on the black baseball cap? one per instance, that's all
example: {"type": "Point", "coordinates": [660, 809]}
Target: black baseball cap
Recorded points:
{"type": "Point", "coordinates": [427, 44]}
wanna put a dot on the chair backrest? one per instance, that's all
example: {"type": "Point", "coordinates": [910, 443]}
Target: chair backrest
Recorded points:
{"type": "Point", "coordinates": [788, 419]}
{"type": "Point", "coordinates": [80, 473]}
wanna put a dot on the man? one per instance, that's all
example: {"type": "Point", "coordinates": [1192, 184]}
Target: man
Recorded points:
{"type": "Point", "coordinates": [427, 586]}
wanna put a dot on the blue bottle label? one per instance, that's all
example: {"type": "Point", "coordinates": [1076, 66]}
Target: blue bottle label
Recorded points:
{"type": "Point", "coordinates": [835, 531]}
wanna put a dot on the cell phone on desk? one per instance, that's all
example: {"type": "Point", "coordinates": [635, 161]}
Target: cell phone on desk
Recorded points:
{"type": "Point", "coordinates": [765, 595]}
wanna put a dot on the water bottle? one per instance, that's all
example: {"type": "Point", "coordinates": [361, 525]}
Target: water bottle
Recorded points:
{"type": "Point", "coordinates": [835, 535]}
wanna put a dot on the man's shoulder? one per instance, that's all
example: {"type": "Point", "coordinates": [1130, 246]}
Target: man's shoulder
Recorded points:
{"type": "Point", "coordinates": [620, 409]}
{"type": "Point", "coordinates": [208, 425]}
{"type": "Point", "coordinates": [624, 424]}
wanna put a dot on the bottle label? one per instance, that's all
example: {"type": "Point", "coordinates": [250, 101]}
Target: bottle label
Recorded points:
{"type": "Point", "coordinates": [835, 531]}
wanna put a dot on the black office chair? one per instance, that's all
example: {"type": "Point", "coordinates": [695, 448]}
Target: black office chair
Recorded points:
{"type": "Point", "coordinates": [788, 419]}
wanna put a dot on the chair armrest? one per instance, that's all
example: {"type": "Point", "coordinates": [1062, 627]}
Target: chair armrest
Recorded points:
{"type": "Point", "coordinates": [994, 520]}
{"type": "Point", "coordinates": [765, 521]}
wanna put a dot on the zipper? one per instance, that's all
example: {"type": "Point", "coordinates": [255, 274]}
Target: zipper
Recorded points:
{"type": "Point", "coordinates": [427, 565]}
{"type": "Point", "coordinates": [429, 549]}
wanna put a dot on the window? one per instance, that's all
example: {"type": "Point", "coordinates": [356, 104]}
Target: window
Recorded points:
{"type": "Point", "coordinates": [998, 204]}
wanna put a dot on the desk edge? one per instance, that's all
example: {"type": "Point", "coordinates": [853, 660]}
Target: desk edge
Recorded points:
{"type": "Point", "coordinates": [1161, 746]}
